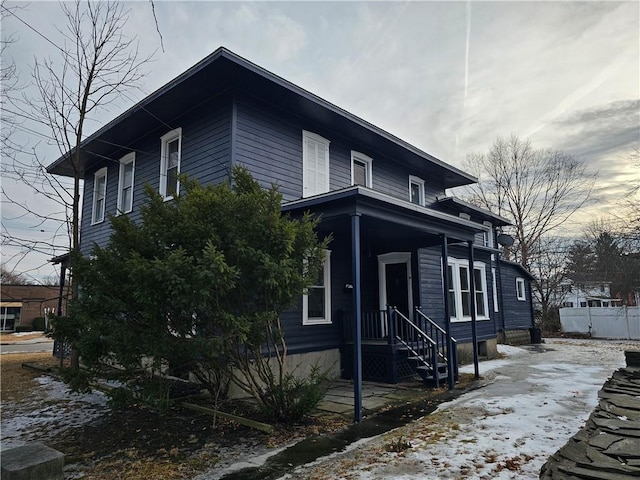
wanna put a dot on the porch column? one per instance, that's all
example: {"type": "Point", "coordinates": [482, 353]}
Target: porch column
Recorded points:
{"type": "Point", "coordinates": [447, 314]}
{"type": "Point", "coordinates": [63, 269]}
{"type": "Point", "coordinates": [474, 316]}
{"type": "Point", "coordinates": [357, 318]}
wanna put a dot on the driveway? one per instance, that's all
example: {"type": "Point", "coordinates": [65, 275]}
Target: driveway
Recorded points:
{"type": "Point", "coordinates": [535, 399]}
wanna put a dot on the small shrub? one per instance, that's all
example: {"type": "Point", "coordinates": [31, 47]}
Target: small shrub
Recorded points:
{"type": "Point", "coordinates": [39, 324]}
{"type": "Point", "coordinates": [23, 328]}
{"type": "Point", "coordinates": [296, 397]}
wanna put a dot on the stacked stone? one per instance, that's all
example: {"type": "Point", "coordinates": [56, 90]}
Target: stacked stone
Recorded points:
{"type": "Point", "coordinates": [608, 447]}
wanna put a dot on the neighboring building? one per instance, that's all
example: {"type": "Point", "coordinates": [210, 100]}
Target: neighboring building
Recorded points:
{"type": "Point", "coordinates": [382, 199]}
{"type": "Point", "coordinates": [580, 293]}
{"type": "Point", "coordinates": [21, 304]}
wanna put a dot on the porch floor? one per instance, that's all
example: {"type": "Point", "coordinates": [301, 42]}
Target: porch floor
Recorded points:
{"type": "Point", "coordinates": [339, 398]}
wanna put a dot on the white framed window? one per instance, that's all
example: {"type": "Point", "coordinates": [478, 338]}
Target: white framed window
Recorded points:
{"type": "Point", "coordinates": [520, 289]}
{"type": "Point", "coordinates": [488, 235]}
{"type": "Point", "coordinates": [125, 183]}
{"type": "Point", "coordinates": [99, 195]}
{"type": "Point", "coordinates": [315, 164]}
{"type": "Point", "coordinates": [316, 303]}
{"type": "Point", "coordinates": [416, 190]}
{"type": "Point", "coordinates": [459, 290]}
{"type": "Point", "coordinates": [170, 156]}
{"type": "Point", "coordinates": [361, 169]}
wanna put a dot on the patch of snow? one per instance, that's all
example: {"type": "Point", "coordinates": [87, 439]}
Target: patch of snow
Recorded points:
{"type": "Point", "coordinates": [56, 409]}
{"type": "Point", "coordinates": [532, 404]}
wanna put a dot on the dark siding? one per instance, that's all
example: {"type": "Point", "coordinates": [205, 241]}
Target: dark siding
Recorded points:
{"type": "Point", "coordinates": [205, 157]}
{"type": "Point", "coordinates": [269, 144]}
{"type": "Point", "coordinates": [431, 292]}
{"type": "Point", "coordinates": [305, 338]}
{"type": "Point", "coordinates": [517, 313]}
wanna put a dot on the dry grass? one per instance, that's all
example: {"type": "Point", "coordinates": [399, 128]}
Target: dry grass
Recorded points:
{"type": "Point", "coordinates": [16, 381]}
{"type": "Point", "coordinates": [12, 338]}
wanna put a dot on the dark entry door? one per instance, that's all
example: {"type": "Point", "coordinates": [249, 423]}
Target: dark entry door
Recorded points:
{"type": "Point", "coordinates": [397, 287]}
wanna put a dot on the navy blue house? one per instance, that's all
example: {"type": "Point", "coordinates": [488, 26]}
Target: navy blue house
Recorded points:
{"type": "Point", "coordinates": [411, 272]}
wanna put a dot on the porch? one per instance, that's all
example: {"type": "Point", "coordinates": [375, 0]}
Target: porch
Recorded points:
{"type": "Point", "coordinates": [379, 272]}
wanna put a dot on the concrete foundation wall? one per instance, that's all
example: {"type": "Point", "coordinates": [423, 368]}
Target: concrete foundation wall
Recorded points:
{"type": "Point", "coordinates": [300, 365]}
{"type": "Point", "coordinates": [516, 337]}
{"type": "Point", "coordinates": [602, 322]}
{"type": "Point", "coordinates": [486, 349]}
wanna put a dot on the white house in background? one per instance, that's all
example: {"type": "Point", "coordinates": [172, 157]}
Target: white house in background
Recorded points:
{"type": "Point", "coordinates": [587, 293]}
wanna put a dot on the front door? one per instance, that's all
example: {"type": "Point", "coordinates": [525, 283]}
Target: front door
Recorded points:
{"type": "Point", "coordinates": [397, 286]}
{"type": "Point", "coordinates": [394, 273]}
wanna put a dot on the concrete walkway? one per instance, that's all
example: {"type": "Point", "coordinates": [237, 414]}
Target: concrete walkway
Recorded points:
{"type": "Point", "coordinates": [375, 396]}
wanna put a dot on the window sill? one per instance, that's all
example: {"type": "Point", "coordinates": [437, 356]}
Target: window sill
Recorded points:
{"type": "Point", "coordinates": [320, 321]}
{"type": "Point", "coordinates": [468, 319]}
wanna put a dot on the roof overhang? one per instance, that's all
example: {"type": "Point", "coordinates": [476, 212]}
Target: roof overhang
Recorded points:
{"type": "Point", "coordinates": [358, 200]}
{"type": "Point", "coordinates": [456, 205]}
{"type": "Point", "coordinates": [224, 72]}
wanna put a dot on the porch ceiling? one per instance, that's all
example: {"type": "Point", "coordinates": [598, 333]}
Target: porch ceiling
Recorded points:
{"type": "Point", "coordinates": [384, 218]}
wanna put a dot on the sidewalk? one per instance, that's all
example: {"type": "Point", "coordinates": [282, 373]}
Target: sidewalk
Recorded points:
{"type": "Point", "coordinates": [27, 338]}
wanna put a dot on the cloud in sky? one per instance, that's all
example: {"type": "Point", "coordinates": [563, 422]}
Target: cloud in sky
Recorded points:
{"type": "Point", "coordinates": [448, 77]}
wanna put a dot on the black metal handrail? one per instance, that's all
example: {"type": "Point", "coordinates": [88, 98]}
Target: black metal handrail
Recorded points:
{"type": "Point", "coordinates": [418, 343]}
{"type": "Point", "coordinates": [440, 335]}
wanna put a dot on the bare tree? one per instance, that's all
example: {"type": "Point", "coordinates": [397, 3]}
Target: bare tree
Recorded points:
{"type": "Point", "coordinates": [97, 64]}
{"type": "Point", "coordinates": [538, 190]}
{"type": "Point", "coordinates": [548, 266]}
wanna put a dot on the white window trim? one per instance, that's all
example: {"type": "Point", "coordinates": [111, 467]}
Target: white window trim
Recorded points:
{"type": "Point", "coordinates": [327, 297]}
{"type": "Point", "coordinates": [488, 235]}
{"type": "Point", "coordinates": [520, 281]}
{"type": "Point", "coordinates": [99, 174]}
{"type": "Point", "coordinates": [456, 263]}
{"type": "Point", "coordinates": [307, 189]}
{"type": "Point", "coordinates": [368, 161]}
{"type": "Point", "coordinates": [417, 181]}
{"type": "Point", "coordinates": [128, 158]}
{"type": "Point", "coordinates": [494, 283]}
{"type": "Point", "coordinates": [165, 140]}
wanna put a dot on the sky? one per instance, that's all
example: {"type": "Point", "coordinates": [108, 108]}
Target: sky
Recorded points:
{"type": "Point", "coordinates": [447, 77]}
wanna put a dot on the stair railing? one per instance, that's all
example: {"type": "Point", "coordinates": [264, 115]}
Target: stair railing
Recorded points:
{"type": "Point", "coordinates": [436, 332]}
{"type": "Point", "coordinates": [420, 345]}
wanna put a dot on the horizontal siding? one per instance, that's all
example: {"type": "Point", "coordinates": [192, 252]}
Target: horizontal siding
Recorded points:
{"type": "Point", "coordinates": [431, 293]}
{"type": "Point", "coordinates": [206, 155]}
{"type": "Point", "coordinates": [517, 313]}
{"type": "Point", "coordinates": [269, 144]}
{"type": "Point", "coordinates": [305, 338]}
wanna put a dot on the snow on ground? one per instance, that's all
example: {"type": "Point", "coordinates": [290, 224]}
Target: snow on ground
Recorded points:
{"type": "Point", "coordinates": [534, 401]}
{"type": "Point", "coordinates": [53, 409]}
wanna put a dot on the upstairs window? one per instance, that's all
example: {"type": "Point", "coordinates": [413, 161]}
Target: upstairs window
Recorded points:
{"type": "Point", "coordinates": [520, 289]}
{"type": "Point", "coordinates": [416, 190]}
{"type": "Point", "coordinates": [361, 170]}
{"type": "Point", "coordinates": [170, 163]}
{"type": "Point", "coordinates": [315, 164]}
{"type": "Point", "coordinates": [125, 183]}
{"type": "Point", "coordinates": [316, 303]}
{"type": "Point", "coordinates": [99, 195]}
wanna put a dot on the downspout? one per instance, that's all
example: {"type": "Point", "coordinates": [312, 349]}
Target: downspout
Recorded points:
{"type": "Point", "coordinates": [500, 299]}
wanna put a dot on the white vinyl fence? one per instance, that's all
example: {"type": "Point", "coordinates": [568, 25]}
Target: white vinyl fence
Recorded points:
{"type": "Point", "coordinates": [602, 322]}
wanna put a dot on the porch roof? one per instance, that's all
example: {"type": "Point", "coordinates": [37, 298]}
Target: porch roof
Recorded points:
{"type": "Point", "coordinates": [372, 204]}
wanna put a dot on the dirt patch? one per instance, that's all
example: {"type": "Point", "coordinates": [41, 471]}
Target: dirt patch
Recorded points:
{"type": "Point", "coordinates": [135, 442]}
